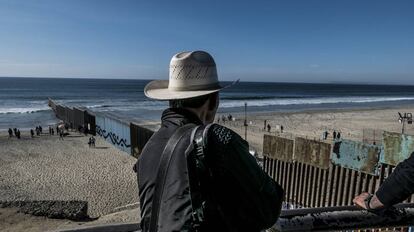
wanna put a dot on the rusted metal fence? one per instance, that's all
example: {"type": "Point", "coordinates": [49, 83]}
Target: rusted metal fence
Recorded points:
{"type": "Point", "coordinates": [315, 176]}
{"type": "Point", "coordinates": [139, 137]}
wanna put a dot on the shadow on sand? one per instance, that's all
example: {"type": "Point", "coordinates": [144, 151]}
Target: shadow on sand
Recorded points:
{"type": "Point", "coordinates": [100, 147]}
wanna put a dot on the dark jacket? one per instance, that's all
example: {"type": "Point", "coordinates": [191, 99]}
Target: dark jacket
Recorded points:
{"type": "Point", "coordinates": [236, 175]}
{"type": "Point", "coordinates": [399, 185]}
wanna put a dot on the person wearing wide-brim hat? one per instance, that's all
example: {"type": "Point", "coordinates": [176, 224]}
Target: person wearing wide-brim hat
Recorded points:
{"type": "Point", "coordinates": [192, 74]}
{"type": "Point", "coordinates": [194, 175]}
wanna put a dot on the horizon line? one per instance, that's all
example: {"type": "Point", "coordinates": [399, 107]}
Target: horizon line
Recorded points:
{"type": "Point", "coordinates": [284, 82]}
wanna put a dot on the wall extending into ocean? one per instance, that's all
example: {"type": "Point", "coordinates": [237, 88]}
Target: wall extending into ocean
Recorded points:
{"type": "Point", "coordinates": [125, 135]}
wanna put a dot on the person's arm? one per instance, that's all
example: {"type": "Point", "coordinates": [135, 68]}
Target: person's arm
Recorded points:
{"type": "Point", "coordinates": [396, 188]}
{"type": "Point", "coordinates": [362, 200]}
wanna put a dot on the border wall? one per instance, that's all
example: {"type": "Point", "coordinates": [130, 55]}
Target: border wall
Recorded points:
{"type": "Point", "coordinates": [114, 131]}
{"type": "Point", "coordinates": [139, 137]}
{"type": "Point", "coordinates": [78, 117]}
{"type": "Point", "coordinates": [318, 174]}
{"type": "Point", "coordinates": [127, 136]}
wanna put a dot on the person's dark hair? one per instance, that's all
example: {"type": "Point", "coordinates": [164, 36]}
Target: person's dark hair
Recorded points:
{"type": "Point", "coordinates": [194, 102]}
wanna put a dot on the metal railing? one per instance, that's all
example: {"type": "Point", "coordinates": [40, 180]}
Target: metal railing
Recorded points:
{"type": "Point", "coordinates": [342, 218]}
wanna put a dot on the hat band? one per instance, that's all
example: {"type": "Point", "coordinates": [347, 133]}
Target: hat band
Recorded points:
{"type": "Point", "coordinates": [213, 86]}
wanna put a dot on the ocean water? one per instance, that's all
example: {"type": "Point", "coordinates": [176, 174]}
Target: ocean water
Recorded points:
{"type": "Point", "coordinates": [23, 101]}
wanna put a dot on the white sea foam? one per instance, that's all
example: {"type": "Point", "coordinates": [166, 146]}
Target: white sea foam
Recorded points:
{"type": "Point", "coordinates": [311, 101]}
{"type": "Point", "coordinates": [122, 105]}
{"type": "Point", "coordinates": [23, 110]}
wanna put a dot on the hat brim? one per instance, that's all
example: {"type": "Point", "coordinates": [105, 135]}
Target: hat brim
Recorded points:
{"type": "Point", "coordinates": [158, 90]}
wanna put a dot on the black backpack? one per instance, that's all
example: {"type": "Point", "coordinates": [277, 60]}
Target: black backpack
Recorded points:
{"type": "Point", "coordinates": [196, 169]}
{"type": "Point", "coordinates": [199, 209]}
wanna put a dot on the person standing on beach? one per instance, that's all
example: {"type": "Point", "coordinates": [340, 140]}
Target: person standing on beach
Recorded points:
{"type": "Point", "coordinates": [31, 133]}
{"type": "Point", "coordinates": [325, 135]}
{"type": "Point", "coordinates": [10, 133]}
{"type": "Point", "coordinates": [18, 134]}
{"type": "Point", "coordinates": [334, 135]}
{"type": "Point", "coordinates": [265, 122]}
{"type": "Point", "coordinates": [60, 134]}
{"type": "Point", "coordinates": [195, 175]}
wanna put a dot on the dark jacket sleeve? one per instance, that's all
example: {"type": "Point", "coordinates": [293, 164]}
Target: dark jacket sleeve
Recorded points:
{"type": "Point", "coordinates": [263, 194]}
{"type": "Point", "coordinates": [399, 185]}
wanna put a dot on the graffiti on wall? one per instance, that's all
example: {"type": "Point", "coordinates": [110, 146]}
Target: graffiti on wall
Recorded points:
{"type": "Point", "coordinates": [114, 131]}
{"type": "Point", "coordinates": [115, 140]}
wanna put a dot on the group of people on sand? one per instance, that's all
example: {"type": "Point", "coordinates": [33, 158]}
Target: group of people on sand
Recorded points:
{"type": "Point", "coordinates": [37, 131]}
{"type": "Point", "coordinates": [15, 131]}
{"type": "Point", "coordinates": [269, 127]}
{"type": "Point", "coordinates": [51, 131]}
{"type": "Point", "coordinates": [336, 135]}
{"type": "Point", "coordinates": [225, 118]}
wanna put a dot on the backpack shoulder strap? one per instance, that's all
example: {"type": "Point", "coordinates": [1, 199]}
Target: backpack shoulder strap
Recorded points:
{"type": "Point", "coordinates": [197, 148]}
{"type": "Point", "coordinates": [162, 173]}
{"type": "Point", "coordinates": [199, 135]}
{"type": "Point", "coordinates": [199, 142]}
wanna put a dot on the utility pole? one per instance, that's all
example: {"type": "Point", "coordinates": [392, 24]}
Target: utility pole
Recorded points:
{"type": "Point", "coordinates": [407, 117]}
{"type": "Point", "coordinates": [245, 121]}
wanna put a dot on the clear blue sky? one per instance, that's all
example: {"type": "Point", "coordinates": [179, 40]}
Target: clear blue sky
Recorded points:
{"type": "Point", "coordinates": [298, 41]}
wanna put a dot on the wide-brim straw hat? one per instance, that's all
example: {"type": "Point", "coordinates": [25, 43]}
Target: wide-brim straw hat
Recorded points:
{"type": "Point", "coordinates": [192, 74]}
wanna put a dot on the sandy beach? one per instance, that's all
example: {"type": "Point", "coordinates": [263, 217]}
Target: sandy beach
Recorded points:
{"type": "Point", "coordinates": [312, 124]}
{"type": "Point", "coordinates": [45, 168]}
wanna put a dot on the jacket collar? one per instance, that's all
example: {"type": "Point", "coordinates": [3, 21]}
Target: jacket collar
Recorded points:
{"type": "Point", "coordinates": [179, 117]}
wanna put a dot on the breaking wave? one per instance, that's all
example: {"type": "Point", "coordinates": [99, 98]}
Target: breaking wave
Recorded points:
{"type": "Point", "coordinates": [233, 102]}
{"type": "Point", "coordinates": [310, 101]}
{"type": "Point", "coordinates": [28, 110]}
